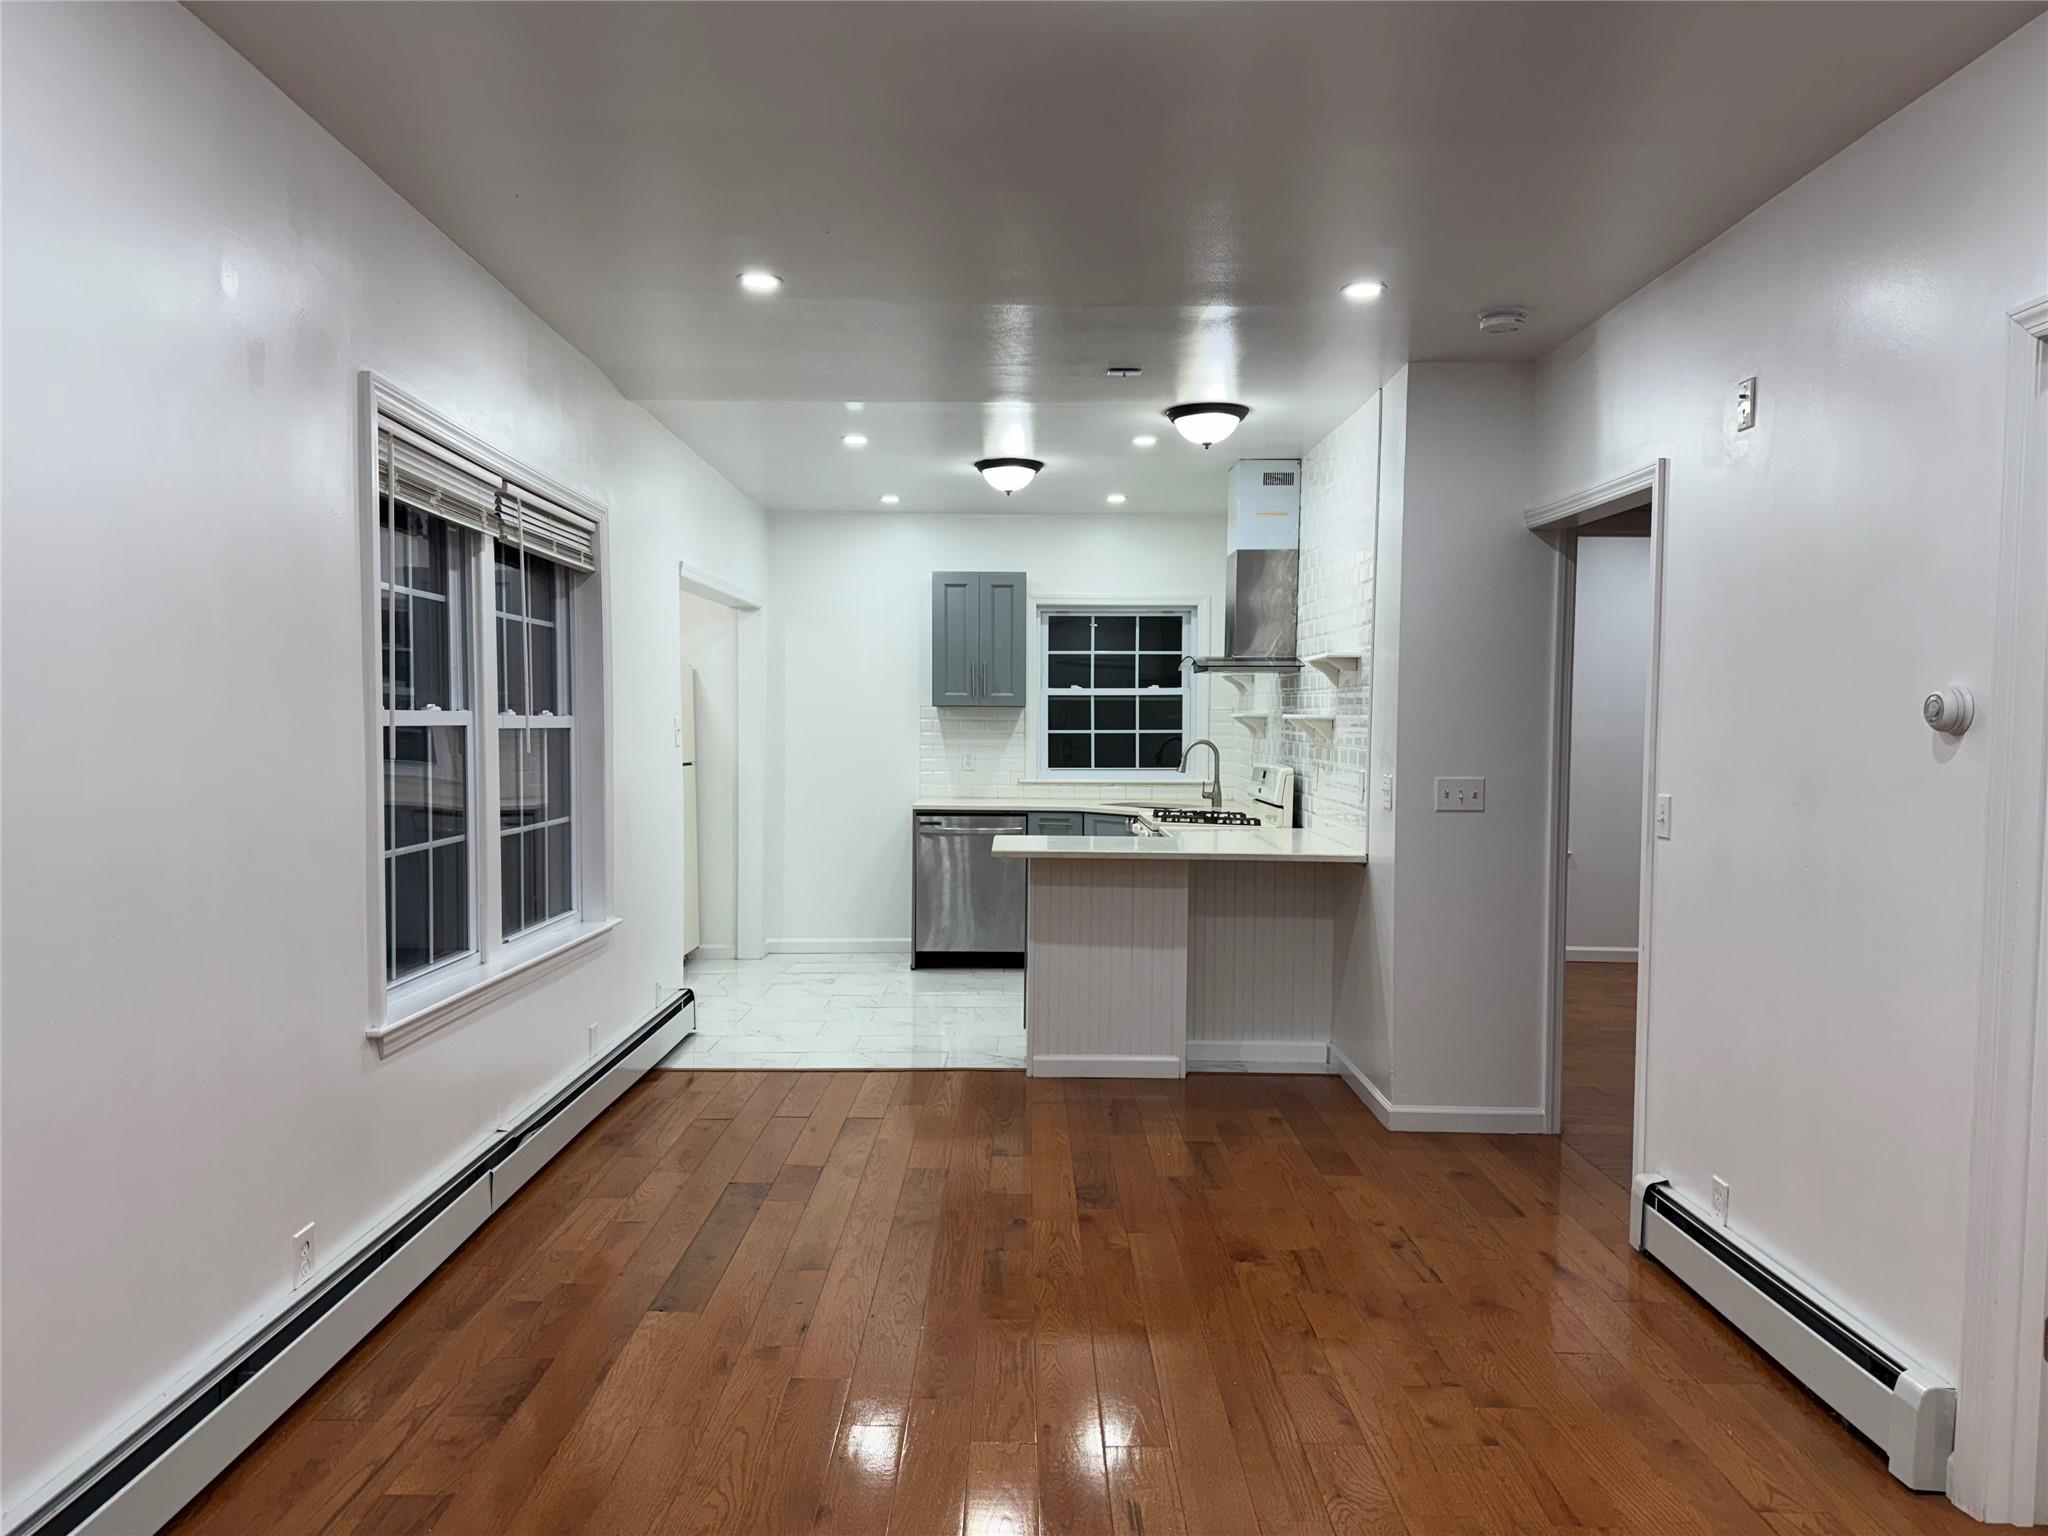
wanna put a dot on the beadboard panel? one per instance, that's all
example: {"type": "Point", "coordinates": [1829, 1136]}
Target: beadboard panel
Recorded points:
{"type": "Point", "coordinates": [1260, 955]}
{"type": "Point", "coordinates": [1107, 973]}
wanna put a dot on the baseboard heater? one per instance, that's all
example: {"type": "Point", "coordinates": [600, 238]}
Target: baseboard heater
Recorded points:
{"type": "Point", "coordinates": [139, 1485]}
{"type": "Point", "coordinates": [1903, 1408]}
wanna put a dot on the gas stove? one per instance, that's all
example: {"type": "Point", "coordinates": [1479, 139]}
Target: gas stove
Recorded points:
{"type": "Point", "coordinates": [1182, 816]}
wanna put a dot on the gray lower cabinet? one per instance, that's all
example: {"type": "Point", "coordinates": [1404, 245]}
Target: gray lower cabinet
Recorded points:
{"type": "Point", "coordinates": [1058, 824]}
{"type": "Point", "coordinates": [1108, 826]}
{"type": "Point", "coordinates": [979, 639]}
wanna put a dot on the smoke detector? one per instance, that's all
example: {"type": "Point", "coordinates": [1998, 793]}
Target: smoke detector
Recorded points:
{"type": "Point", "coordinates": [1502, 322]}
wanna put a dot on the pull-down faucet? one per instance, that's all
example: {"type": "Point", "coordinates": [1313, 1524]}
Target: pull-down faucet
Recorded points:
{"type": "Point", "coordinates": [1213, 790]}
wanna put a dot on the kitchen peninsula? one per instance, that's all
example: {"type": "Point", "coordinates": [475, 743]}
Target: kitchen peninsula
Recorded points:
{"type": "Point", "coordinates": [1202, 946]}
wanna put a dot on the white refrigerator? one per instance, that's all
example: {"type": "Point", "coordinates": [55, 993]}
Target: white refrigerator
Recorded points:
{"type": "Point", "coordinates": [686, 739]}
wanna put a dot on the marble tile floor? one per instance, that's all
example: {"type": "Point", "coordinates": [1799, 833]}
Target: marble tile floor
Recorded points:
{"type": "Point", "coordinates": [843, 1012]}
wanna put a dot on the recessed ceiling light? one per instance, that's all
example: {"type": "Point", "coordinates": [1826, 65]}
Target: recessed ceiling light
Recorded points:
{"type": "Point", "coordinates": [891, 499]}
{"type": "Point", "coordinates": [855, 439]}
{"type": "Point", "coordinates": [755, 280]}
{"type": "Point", "coordinates": [1008, 475]}
{"type": "Point", "coordinates": [1115, 498]}
{"type": "Point", "coordinates": [1144, 440]}
{"type": "Point", "coordinates": [1365, 288]}
{"type": "Point", "coordinates": [1207, 423]}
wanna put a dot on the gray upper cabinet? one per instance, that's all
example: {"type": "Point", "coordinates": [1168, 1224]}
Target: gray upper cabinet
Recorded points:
{"type": "Point", "coordinates": [978, 638]}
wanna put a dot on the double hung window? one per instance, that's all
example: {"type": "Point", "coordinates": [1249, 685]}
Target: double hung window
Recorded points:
{"type": "Point", "coordinates": [479, 587]}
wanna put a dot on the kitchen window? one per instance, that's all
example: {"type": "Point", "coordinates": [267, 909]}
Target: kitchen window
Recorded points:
{"type": "Point", "coordinates": [1115, 702]}
{"type": "Point", "coordinates": [487, 596]}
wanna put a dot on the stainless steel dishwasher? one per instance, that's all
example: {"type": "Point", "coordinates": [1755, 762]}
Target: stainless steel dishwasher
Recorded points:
{"type": "Point", "coordinates": [967, 901]}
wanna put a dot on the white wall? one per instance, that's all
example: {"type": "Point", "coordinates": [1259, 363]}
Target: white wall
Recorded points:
{"type": "Point", "coordinates": [1818, 910]}
{"type": "Point", "coordinates": [849, 660]}
{"type": "Point", "coordinates": [1474, 700]}
{"type": "Point", "coordinates": [1610, 689]}
{"type": "Point", "coordinates": [710, 645]}
{"type": "Point", "coordinates": [194, 274]}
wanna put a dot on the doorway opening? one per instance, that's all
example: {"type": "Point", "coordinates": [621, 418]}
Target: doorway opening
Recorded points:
{"type": "Point", "coordinates": [1610, 571]}
{"type": "Point", "coordinates": [708, 734]}
{"type": "Point", "coordinates": [1603, 851]}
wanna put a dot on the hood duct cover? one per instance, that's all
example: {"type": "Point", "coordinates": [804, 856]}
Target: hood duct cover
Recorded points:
{"type": "Point", "coordinates": [1260, 613]}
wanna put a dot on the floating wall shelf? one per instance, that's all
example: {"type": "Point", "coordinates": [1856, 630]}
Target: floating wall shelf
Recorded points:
{"type": "Point", "coordinates": [1254, 720]}
{"type": "Point", "coordinates": [1333, 664]}
{"type": "Point", "coordinates": [1323, 726]}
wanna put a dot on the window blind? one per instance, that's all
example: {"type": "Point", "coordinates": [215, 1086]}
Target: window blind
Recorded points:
{"type": "Point", "coordinates": [425, 475]}
{"type": "Point", "coordinates": [543, 528]}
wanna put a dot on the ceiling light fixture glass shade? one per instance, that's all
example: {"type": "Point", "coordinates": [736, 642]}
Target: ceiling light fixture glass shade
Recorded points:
{"type": "Point", "coordinates": [1207, 423]}
{"type": "Point", "coordinates": [1008, 475]}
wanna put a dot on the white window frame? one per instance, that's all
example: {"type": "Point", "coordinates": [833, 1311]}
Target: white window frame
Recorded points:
{"type": "Point", "coordinates": [567, 583]}
{"type": "Point", "coordinates": [1194, 613]}
{"type": "Point", "coordinates": [403, 1011]}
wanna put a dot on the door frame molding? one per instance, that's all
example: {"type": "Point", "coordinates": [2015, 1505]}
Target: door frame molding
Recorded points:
{"type": "Point", "coordinates": [1995, 1473]}
{"type": "Point", "coordinates": [1557, 523]}
{"type": "Point", "coordinates": [750, 667]}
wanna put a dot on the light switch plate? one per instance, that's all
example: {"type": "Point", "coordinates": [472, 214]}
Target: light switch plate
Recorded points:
{"type": "Point", "coordinates": [1386, 791]}
{"type": "Point", "coordinates": [1664, 817]}
{"type": "Point", "coordinates": [1745, 404]}
{"type": "Point", "coordinates": [1461, 794]}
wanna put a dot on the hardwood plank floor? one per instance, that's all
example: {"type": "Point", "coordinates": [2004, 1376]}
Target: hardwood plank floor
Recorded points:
{"type": "Point", "coordinates": [968, 1302]}
{"type": "Point", "coordinates": [1600, 1064]}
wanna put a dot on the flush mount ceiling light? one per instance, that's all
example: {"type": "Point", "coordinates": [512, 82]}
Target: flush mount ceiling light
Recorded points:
{"type": "Point", "coordinates": [1208, 422]}
{"type": "Point", "coordinates": [891, 499]}
{"type": "Point", "coordinates": [1502, 322]}
{"type": "Point", "coordinates": [1367, 288]}
{"type": "Point", "coordinates": [1008, 475]}
{"type": "Point", "coordinates": [1115, 498]}
{"type": "Point", "coordinates": [1144, 440]}
{"type": "Point", "coordinates": [755, 280]}
{"type": "Point", "coordinates": [855, 439]}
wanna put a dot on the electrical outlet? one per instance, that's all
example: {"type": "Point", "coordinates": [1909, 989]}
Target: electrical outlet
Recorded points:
{"type": "Point", "coordinates": [1664, 817]}
{"type": "Point", "coordinates": [1721, 1201]}
{"type": "Point", "coordinates": [967, 762]}
{"type": "Point", "coordinates": [302, 1255]}
{"type": "Point", "coordinates": [1461, 794]}
{"type": "Point", "coordinates": [1745, 404]}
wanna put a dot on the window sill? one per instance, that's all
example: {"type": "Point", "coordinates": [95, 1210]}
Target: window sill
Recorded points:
{"type": "Point", "coordinates": [422, 1013]}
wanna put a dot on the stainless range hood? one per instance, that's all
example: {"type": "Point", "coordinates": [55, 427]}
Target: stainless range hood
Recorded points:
{"type": "Point", "coordinates": [1262, 572]}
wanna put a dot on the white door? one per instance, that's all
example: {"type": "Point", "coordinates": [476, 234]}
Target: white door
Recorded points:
{"type": "Point", "coordinates": [686, 736]}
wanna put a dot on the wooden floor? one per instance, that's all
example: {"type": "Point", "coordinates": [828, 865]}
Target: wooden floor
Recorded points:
{"type": "Point", "coordinates": [951, 1302]}
{"type": "Point", "coordinates": [1600, 1064]}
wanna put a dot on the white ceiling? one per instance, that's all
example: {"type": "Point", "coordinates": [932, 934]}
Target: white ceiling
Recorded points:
{"type": "Point", "coordinates": [978, 203]}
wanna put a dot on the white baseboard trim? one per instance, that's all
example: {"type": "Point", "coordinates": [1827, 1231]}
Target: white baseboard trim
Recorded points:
{"type": "Point", "coordinates": [1258, 1056]}
{"type": "Point", "coordinates": [1105, 1066]}
{"type": "Point", "coordinates": [249, 1386]}
{"type": "Point", "coordinates": [1483, 1119]}
{"type": "Point", "coordinates": [1601, 954]}
{"type": "Point", "coordinates": [838, 946]}
{"type": "Point", "coordinates": [712, 952]}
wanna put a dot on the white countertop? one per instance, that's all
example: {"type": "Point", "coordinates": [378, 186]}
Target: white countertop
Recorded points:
{"type": "Point", "coordinates": [1023, 804]}
{"type": "Point", "coordinates": [1268, 844]}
